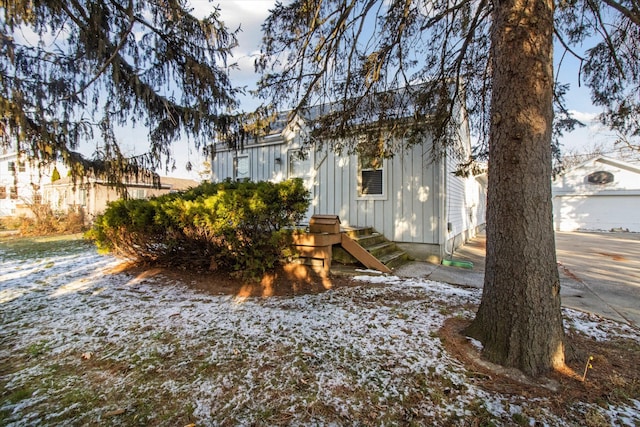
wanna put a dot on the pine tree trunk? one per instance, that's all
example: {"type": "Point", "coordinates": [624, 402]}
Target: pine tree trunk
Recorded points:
{"type": "Point", "coordinates": [519, 319]}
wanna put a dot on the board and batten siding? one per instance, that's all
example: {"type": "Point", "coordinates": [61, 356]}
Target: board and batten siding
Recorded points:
{"type": "Point", "coordinates": [420, 195]}
{"type": "Point", "coordinates": [406, 212]}
{"type": "Point", "coordinates": [262, 162]}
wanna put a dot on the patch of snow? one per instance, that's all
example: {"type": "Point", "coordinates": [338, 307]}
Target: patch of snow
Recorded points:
{"type": "Point", "coordinates": [331, 345]}
{"type": "Point", "coordinates": [368, 271]}
{"type": "Point", "coordinates": [597, 327]}
{"type": "Point", "coordinates": [475, 343]}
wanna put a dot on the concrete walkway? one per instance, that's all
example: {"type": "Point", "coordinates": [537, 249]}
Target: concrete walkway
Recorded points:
{"type": "Point", "coordinates": [599, 272]}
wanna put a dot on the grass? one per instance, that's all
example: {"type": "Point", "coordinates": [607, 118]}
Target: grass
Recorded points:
{"type": "Point", "coordinates": [24, 248]}
{"type": "Point", "coordinates": [37, 349]}
{"type": "Point", "coordinates": [164, 356]}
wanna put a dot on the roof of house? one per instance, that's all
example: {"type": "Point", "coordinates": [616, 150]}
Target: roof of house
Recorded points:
{"type": "Point", "coordinates": [630, 166]}
{"type": "Point", "coordinates": [404, 103]}
{"type": "Point", "coordinates": [167, 183]}
{"type": "Point", "coordinates": [178, 184]}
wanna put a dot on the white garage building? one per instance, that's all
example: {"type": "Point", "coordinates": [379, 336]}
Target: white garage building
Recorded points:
{"type": "Point", "coordinates": [601, 194]}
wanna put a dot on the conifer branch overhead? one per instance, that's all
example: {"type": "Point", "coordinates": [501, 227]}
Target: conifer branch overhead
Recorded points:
{"type": "Point", "coordinates": [73, 72]}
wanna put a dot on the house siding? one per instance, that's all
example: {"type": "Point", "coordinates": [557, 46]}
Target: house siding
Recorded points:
{"type": "Point", "coordinates": [421, 194]}
{"type": "Point", "coordinates": [28, 183]}
{"type": "Point", "coordinates": [581, 205]}
{"type": "Point", "coordinates": [407, 213]}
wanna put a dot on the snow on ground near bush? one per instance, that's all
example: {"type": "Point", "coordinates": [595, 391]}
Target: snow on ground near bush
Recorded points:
{"type": "Point", "coordinates": [80, 345]}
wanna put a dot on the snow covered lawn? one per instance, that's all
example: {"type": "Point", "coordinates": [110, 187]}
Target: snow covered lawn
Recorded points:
{"type": "Point", "coordinates": [80, 345]}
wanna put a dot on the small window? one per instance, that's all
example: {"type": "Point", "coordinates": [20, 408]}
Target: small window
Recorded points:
{"type": "Point", "coordinates": [37, 199]}
{"type": "Point", "coordinates": [600, 178]}
{"type": "Point", "coordinates": [299, 164]}
{"type": "Point", "coordinates": [81, 195]}
{"type": "Point", "coordinates": [3, 192]}
{"type": "Point", "coordinates": [139, 193]}
{"type": "Point", "coordinates": [11, 166]}
{"type": "Point", "coordinates": [22, 167]}
{"type": "Point", "coordinates": [13, 193]}
{"type": "Point", "coordinates": [241, 168]}
{"type": "Point", "coordinates": [371, 182]}
{"type": "Point", "coordinates": [371, 176]}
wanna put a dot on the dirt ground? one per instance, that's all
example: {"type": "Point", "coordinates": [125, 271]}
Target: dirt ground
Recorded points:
{"type": "Point", "coordinates": [288, 280]}
{"type": "Point", "coordinates": [614, 374]}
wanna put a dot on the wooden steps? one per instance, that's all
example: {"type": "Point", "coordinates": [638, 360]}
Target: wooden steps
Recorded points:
{"type": "Point", "coordinates": [373, 242]}
{"type": "Point", "coordinates": [326, 241]}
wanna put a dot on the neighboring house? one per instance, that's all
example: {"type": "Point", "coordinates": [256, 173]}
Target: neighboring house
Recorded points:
{"type": "Point", "coordinates": [92, 195]}
{"type": "Point", "coordinates": [412, 199]}
{"type": "Point", "coordinates": [20, 184]}
{"type": "Point", "coordinates": [601, 194]}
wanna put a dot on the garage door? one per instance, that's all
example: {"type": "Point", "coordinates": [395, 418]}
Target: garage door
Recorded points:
{"type": "Point", "coordinates": [597, 212]}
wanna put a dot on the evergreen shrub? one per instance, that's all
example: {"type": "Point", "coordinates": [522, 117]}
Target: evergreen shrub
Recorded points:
{"type": "Point", "coordinates": [242, 227]}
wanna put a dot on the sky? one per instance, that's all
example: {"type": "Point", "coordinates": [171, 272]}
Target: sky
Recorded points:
{"type": "Point", "coordinates": [248, 15]}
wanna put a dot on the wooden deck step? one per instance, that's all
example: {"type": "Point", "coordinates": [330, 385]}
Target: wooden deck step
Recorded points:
{"type": "Point", "coordinates": [394, 259]}
{"type": "Point", "coordinates": [327, 242]}
{"type": "Point", "coordinates": [362, 255]}
{"type": "Point", "coordinates": [357, 232]}
{"type": "Point", "coordinates": [376, 244]}
{"type": "Point", "coordinates": [370, 240]}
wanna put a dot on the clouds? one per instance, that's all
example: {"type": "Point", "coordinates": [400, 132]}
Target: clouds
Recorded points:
{"type": "Point", "coordinates": [586, 118]}
{"type": "Point", "coordinates": [247, 16]}
{"type": "Point", "coordinates": [593, 134]}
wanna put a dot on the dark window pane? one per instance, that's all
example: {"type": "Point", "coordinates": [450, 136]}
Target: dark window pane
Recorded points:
{"type": "Point", "coordinates": [371, 182]}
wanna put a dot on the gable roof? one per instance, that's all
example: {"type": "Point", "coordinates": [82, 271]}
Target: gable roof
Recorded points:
{"type": "Point", "coordinates": [381, 109]}
{"type": "Point", "coordinates": [631, 167]}
{"type": "Point", "coordinates": [166, 183]}
{"type": "Point", "coordinates": [178, 184]}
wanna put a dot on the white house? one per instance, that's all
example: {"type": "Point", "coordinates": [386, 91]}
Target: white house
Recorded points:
{"type": "Point", "coordinates": [20, 183]}
{"type": "Point", "coordinates": [413, 199]}
{"type": "Point", "coordinates": [23, 184]}
{"type": "Point", "coordinates": [601, 194]}
{"type": "Point", "coordinates": [93, 195]}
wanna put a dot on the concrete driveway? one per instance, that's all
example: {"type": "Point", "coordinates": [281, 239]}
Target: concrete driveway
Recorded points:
{"type": "Point", "coordinates": [599, 272]}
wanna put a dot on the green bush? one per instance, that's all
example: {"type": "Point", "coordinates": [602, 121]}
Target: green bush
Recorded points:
{"type": "Point", "coordinates": [242, 227]}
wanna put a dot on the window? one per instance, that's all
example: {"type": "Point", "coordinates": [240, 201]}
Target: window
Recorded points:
{"type": "Point", "coordinates": [138, 193]}
{"type": "Point", "coordinates": [600, 177]}
{"type": "Point", "coordinates": [3, 192]}
{"type": "Point", "coordinates": [299, 164]}
{"type": "Point", "coordinates": [22, 167]}
{"type": "Point", "coordinates": [13, 193]}
{"type": "Point", "coordinates": [11, 166]}
{"type": "Point", "coordinates": [241, 168]}
{"type": "Point", "coordinates": [371, 177]}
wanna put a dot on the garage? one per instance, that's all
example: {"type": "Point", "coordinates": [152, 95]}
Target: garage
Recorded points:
{"type": "Point", "coordinates": [602, 194]}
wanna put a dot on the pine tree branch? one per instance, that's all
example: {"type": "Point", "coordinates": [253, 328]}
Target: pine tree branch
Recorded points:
{"type": "Point", "coordinates": [607, 38]}
{"type": "Point", "coordinates": [632, 15]}
{"type": "Point", "coordinates": [105, 65]}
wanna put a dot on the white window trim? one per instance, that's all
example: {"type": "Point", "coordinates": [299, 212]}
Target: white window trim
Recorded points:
{"type": "Point", "coordinates": [361, 196]}
{"type": "Point", "coordinates": [293, 155]}
{"type": "Point", "coordinates": [235, 167]}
